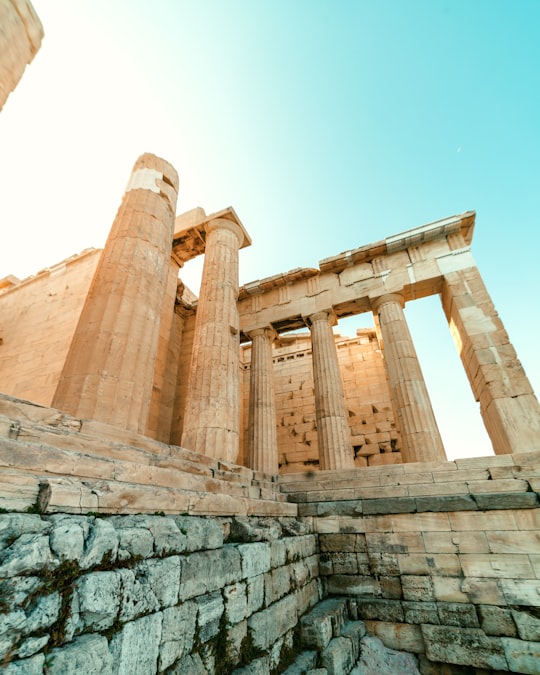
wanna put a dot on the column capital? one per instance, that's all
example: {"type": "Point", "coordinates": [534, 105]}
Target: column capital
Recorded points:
{"type": "Point", "coordinates": [225, 224]}
{"type": "Point", "coordinates": [384, 299]}
{"type": "Point", "coordinates": [265, 331]}
{"type": "Point", "coordinates": [327, 315]}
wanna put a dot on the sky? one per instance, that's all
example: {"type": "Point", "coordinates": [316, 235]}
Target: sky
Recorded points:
{"type": "Point", "coordinates": [326, 124]}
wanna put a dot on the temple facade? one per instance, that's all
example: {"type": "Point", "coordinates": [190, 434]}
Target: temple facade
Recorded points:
{"type": "Point", "coordinates": [256, 374]}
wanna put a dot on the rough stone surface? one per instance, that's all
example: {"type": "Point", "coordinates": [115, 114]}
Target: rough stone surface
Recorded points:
{"type": "Point", "coordinates": [135, 648]}
{"type": "Point", "coordinates": [376, 658]}
{"type": "Point", "coordinates": [87, 654]}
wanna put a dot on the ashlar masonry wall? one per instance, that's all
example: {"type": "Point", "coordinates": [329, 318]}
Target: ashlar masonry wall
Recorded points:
{"type": "Point", "coordinates": [440, 559]}
{"type": "Point", "coordinates": [38, 317]}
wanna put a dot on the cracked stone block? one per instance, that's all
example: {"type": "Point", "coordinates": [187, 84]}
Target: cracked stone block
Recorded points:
{"type": "Point", "coordinates": [135, 648]}
{"type": "Point", "coordinates": [88, 654]}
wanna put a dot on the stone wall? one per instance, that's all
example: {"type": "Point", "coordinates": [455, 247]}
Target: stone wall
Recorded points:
{"type": "Point", "coordinates": [151, 594]}
{"type": "Point", "coordinates": [38, 317]}
{"type": "Point", "coordinates": [441, 559]}
{"type": "Point", "coordinates": [374, 436]}
{"type": "Point", "coordinates": [20, 38]}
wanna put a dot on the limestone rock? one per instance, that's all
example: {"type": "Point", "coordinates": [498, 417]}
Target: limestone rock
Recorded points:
{"type": "Point", "coordinates": [178, 631]}
{"type": "Point", "coordinates": [210, 609]}
{"type": "Point", "coordinates": [200, 533]}
{"type": "Point", "coordinates": [98, 597]}
{"type": "Point", "coordinates": [255, 559]}
{"type": "Point", "coordinates": [376, 659]}
{"type": "Point", "coordinates": [102, 541]}
{"type": "Point", "coordinates": [31, 646]}
{"type": "Point", "coordinates": [88, 654]}
{"type": "Point", "coordinates": [248, 530]}
{"type": "Point", "coordinates": [67, 537]}
{"type": "Point", "coordinates": [31, 666]}
{"type": "Point", "coordinates": [137, 597]}
{"type": "Point", "coordinates": [134, 543]}
{"type": "Point", "coordinates": [28, 554]}
{"type": "Point", "coordinates": [135, 648]}
{"type": "Point", "coordinates": [162, 578]}
{"type": "Point", "coordinates": [338, 657]}
{"type": "Point", "coordinates": [12, 525]}
{"type": "Point", "coordinates": [192, 664]}
{"type": "Point", "coordinates": [235, 602]}
{"type": "Point", "coordinates": [44, 614]}
{"type": "Point", "coordinates": [206, 571]}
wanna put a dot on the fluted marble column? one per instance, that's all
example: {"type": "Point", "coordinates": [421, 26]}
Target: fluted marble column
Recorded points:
{"type": "Point", "coordinates": [421, 440]}
{"type": "Point", "coordinates": [109, 370]}
{"type": "Point", "coordinates": [262, 431]}
{"type": "Point", "coordinates": [212, 413]}
{"type": "Point", "coordinates": [334, 436]}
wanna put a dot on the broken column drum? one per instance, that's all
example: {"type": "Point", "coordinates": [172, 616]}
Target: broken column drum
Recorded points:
{"type": "Point", "coordinates": [109, 370]}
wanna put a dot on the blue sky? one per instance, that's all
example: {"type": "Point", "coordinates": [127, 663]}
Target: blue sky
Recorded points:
{"type": "Point", "coordinates": [327, 125]}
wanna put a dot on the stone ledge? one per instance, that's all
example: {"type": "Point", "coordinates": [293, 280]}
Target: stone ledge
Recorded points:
{"type": "Point", "coordinates": [439, 503]}
{"type": "Point", "coordinates": [55, 462]}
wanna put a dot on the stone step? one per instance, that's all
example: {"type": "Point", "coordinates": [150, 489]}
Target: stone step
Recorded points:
{"type": "Point", "coordinates": [51, 460]}
{"type": "Point", "coordinates": [518, 465]}
{"type": "Point", "coordinates": [18, 492]}
{"type": "Point", "coordinates": [343, 651]}
{"type": "Point", "coordinates": [422, 488]}
{"type": "Point", "coordinates": [21, 491]}
{"type": "Point", "coordinates": [33, 423]}
{"type": "Point", "coordinates": [304, 662]}
{"type": "Point", "coordinates": [323, 622]}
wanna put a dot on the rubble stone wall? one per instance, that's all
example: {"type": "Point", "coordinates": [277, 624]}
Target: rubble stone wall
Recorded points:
{"type": "Point", "coordinates": [149, 594]}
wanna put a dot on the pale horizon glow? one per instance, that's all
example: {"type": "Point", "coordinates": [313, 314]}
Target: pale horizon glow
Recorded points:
{"type": "Point", "coordinates": [327, 126]}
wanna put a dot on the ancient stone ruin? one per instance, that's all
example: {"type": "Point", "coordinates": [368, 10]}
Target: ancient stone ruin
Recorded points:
{"type": "Point", "coordinates": [223, 484]}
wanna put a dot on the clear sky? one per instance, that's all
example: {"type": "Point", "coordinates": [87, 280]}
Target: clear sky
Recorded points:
{"type": "Point", "coordinates": [327, 124]}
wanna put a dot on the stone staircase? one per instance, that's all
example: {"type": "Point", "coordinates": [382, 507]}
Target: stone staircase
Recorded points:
{"type": "Point", "coordinates": [469, 484]}
{"type": "Point", "coordinates": [334, 642]}
{"type": "Point", "coordinates": [52, 462]}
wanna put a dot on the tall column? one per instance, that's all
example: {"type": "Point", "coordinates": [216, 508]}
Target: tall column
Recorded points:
{"type": "Point", "coordinates": [109, 369]}
{"type": "Point", "coordinates": [212, 414]}
{"type": "Point", "coordinates": [421, 440]}
{"type": "Point", "coordinates": [262, 431]}
{"type": "Point", "coordinates": [334, 436]}
{"type": "Point", "coordinates": [509, 408]}
{"type": "Point", "coordinates": [167, 335]}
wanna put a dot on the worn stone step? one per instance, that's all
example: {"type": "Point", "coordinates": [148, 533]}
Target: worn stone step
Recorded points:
{"type": "Point", "coordinates": [343, 651]}
{"type": "Point", "coordinates": [323, 622]}
{"type": "Point", "coordinates": [18, 492]}
{"type": "Point", "coordinates": [304, 662]}
{"type": "Point", "coordinates": [71, 495]}
{"type": "Point", "coordinates": [418, 497]}
{"type": "Point", "coordinates": [51, 460]}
